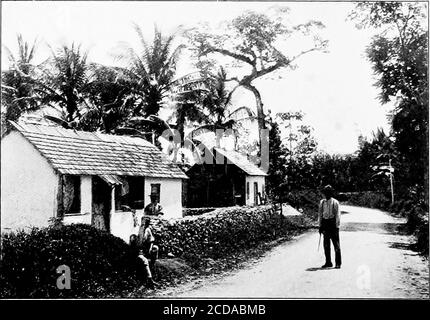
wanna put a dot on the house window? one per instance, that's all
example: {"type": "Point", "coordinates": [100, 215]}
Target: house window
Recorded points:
{"type": "Point", "coordinates": [247, 190]}
{"type": "Point", "coordinates": [137, 194]}
{"type": "Point", "coordinates": [155, 189]}
{"type": "Point", "coordinates": [130, 194]}
{"type": "Point", "coordinates": [71, 194]}
{"type": "Point", "coordinates": [255, 193]}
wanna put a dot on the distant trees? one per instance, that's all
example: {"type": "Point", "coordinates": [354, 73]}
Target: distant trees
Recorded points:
{"type": "Point", "coordinates": [296, 163]}
{"type": "Point", "coordinates": [399, 58]}
{"type": "Point", "coordinates": [277, 174]}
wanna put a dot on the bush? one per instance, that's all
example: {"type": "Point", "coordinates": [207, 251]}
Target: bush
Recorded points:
{"type": "Point", "coordinates": [306, 200]}
{"type": "Point", "coordinates": [196, 211]}
{"type": "Point", "coordinates": [100, 263]}
{"type": "Point", "coordinates": [220, 232]}
{"type": "Point", "coordinates": [370, 199]}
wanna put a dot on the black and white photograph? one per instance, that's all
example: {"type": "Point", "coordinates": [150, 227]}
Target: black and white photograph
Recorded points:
{"type": "Point", "coordinates": [168, 150]}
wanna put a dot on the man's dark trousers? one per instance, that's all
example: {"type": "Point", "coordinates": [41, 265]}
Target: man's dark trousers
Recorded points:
{"type": "Point", "coordinates": [331, 232]}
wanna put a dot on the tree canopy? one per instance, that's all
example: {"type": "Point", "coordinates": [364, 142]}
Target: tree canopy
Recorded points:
{"type": "Point", "coordinates": [252, 42]}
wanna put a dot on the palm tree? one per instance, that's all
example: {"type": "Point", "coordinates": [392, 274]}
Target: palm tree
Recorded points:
{"type": "Point", "coordinates": [150, 73]}
{"type": "Point", "coordinates": [18, 83]}
{"type": "Point", "coordinates": [206, 99]}
{"type": "Point", "coordinates": [111, 102]}
{"type": "Point", "coordinates": [66, 82]}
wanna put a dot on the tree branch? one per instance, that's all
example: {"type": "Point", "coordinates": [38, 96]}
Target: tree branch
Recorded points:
{"type": "Point", "coordinates": [230, 54]}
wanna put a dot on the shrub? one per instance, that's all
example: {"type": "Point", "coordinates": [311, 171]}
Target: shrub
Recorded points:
{"type": "Point", "coordinates": [100, 263]}
{"type": "Point", "coordinates": [196, 211]}
{"type": "Point", "coordinates": [306, 200]}
{"type": "Point", "coordinates": [370, 199]}
{"type": "Point", "coordinates": [220, 232]}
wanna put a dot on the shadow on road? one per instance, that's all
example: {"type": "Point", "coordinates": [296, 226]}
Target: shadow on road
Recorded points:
{"type": "Point", "coordinates": [401, 245]}
{"type": "Point", "coordinates": [385, 228]}
{"type": "Point", "coordinates": [319, 268]}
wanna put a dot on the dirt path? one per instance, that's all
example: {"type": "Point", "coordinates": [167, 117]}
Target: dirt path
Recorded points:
{"type": "Point", "coordinates": [376, 263]}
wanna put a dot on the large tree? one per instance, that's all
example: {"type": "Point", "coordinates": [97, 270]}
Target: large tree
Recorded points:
{"type": "Point", "coordinates": [398, 54]}
{"type": "Point", "coordinates": [255, 41]}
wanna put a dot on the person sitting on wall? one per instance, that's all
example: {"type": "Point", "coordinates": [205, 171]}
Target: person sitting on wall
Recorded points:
{"type": "Point", "coordinates": [154, 208]}
{"type": "Point", "coordinates": [143, 271]}
{"type": "Point", "coordinates": [146, 244]}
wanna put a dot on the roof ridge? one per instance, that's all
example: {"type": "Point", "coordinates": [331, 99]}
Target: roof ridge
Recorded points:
{"type": "Point", "coordinates": [82, 139]}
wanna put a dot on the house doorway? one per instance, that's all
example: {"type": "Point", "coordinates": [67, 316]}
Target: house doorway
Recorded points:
{"type": "Point", "coordinates": [255, 193]}
{"type": "Point", "coordinates": [101, 204]}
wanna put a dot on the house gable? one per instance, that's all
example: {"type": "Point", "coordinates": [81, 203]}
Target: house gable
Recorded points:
{"type": "Point", "coordinates": [28, 184]}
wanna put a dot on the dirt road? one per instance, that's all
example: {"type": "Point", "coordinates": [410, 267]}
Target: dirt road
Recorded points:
{"type": "Point", "coordinates": [377, 262]}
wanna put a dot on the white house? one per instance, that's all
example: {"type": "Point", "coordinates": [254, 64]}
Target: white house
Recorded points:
{"type": "Point", "coordinates": [83, 177]}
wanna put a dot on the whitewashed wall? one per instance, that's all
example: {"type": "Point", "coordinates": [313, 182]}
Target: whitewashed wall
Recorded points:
{"type": "Point", "coordinates": [171, 195]}
{"type": "Point", "coordinates": [28, 185]}
{"type": "Point", "coordinates": [122, 224]}
{"type": "Point", "coordinates": [260, 182]}
{"type": "Point", "coordinates": [77, 218]}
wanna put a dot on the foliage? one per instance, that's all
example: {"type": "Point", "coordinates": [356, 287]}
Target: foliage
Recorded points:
{"type": "Point", "coordinates": [370, 199]}
{"type": "Point", "coordinates": [100, 263]}
{"type": "Point", "coordinates": [276, 176]}
{"type": "Point", "coordinates": [111, 103]}
{"type": "Point", "coordinates": [65, 82]}
{"type": "Point", "coordinates": [150, 73]}
{"type": "Point", "coordinates": [399, 58]}
{"type": "Point", "coordinates": [19, 93]}
{"type": "Point", "coordinates": [196, 211]}
{"type": "Point", "coordinates": [207, 104]}
{"type": "Point", "coordinates": [306, 201]}
{"type": "Point", "coordinates": [221, 232]}
{"type": "Point", "coordinates": [250, 40]}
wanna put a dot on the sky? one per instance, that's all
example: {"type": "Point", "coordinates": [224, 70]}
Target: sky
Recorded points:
{"type": "Point", "coordinates": [335, 89]}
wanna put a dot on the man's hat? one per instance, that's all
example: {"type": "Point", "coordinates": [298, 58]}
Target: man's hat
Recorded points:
{"type": "Point", "coordinates": [328, 188]}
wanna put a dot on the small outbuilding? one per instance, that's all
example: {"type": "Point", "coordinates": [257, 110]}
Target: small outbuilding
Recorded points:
{"type": "Point", "coordinates": [83, 177]}
{"type": "Point", "coordinates": [225, 178]}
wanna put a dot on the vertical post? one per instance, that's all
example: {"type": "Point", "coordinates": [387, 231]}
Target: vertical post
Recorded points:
{"type": "Point", "coordinates": [112, 200]}
{"type": "Point", "coordinates": [108, 223]}
{"type": "Point", "coordinates": [391, 181]}
{"type": "Point", "coordinates": [86, 195]}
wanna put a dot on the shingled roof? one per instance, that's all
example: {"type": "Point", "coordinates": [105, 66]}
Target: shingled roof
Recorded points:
{"type": "Point", "coordinates": [92, 153]}
{"type": "Point", "coordinates": [241, 161]}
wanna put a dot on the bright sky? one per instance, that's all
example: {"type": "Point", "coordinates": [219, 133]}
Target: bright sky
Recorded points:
{"type": "Point", "coordinates": [334, 89]}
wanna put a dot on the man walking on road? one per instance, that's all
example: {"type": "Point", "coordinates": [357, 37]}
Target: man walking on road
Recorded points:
{"type": "Point", "coordinates": [329, 224]}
